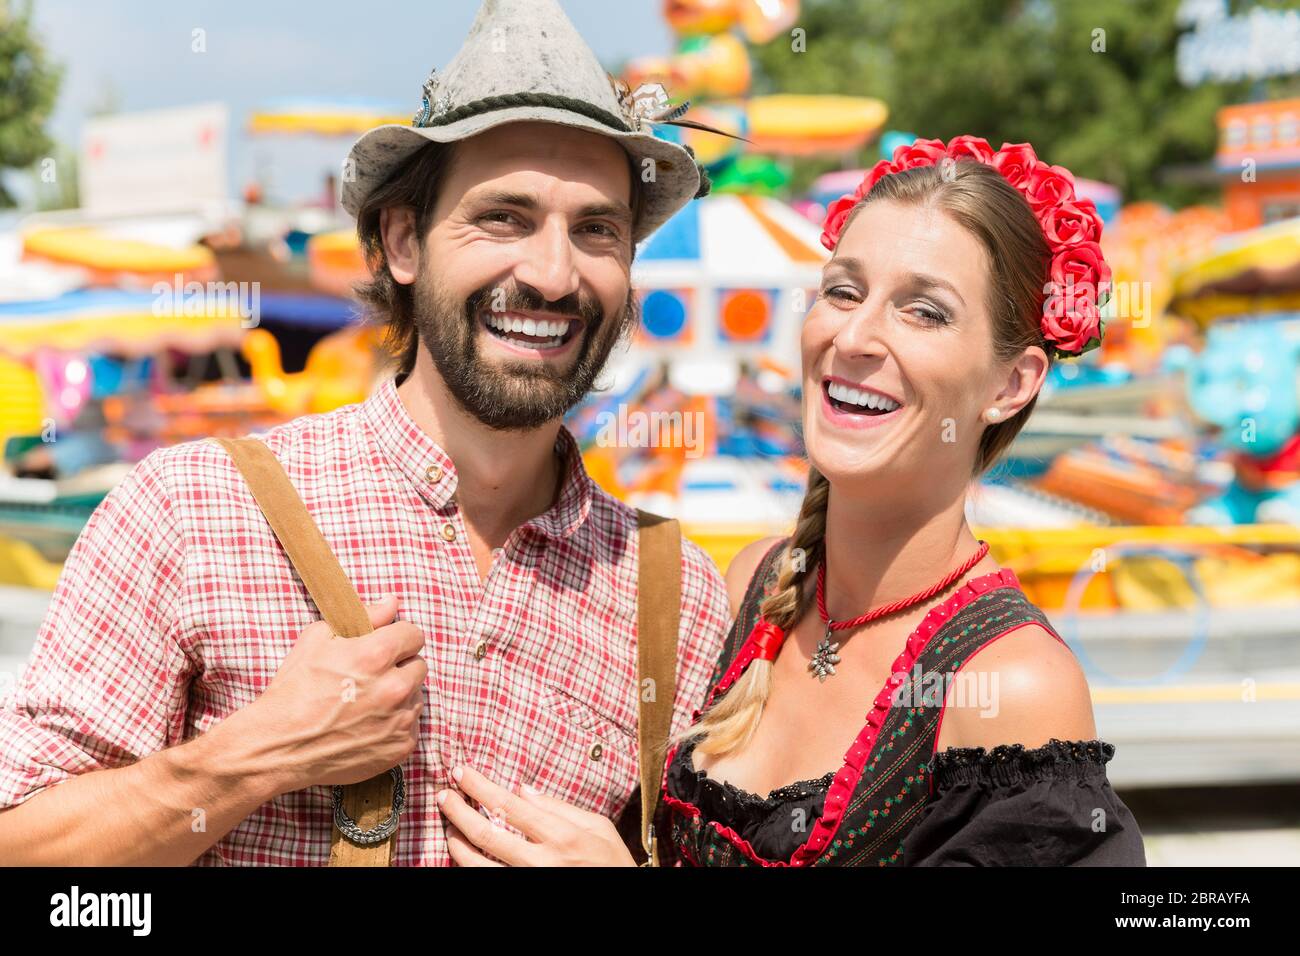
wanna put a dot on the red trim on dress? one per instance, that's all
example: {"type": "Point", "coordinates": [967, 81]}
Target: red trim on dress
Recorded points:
{"type": "Point", "coordinates": [846, 779]}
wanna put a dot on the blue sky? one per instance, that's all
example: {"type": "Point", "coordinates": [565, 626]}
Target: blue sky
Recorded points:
{"type": "Point", "coordinates": [139, 53]}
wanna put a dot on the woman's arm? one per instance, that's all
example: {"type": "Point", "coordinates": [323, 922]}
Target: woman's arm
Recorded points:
{"type": "Point", "coordinates": [1015, 806]}
{"type": "Point", "coordinates": [1019, 774]}
{"type": "Point", "coordinates": [1029, 688]}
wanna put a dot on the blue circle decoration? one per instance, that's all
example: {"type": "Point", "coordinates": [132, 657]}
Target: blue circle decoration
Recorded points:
{"type": "Point", "coordinates": [663, 314]}
{"type": "Point", "coordinates": [1200, 624]}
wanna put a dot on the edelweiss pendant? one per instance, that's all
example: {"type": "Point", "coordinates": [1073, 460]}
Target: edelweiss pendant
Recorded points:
{"type": "Point", "coordinates": [824, 658]}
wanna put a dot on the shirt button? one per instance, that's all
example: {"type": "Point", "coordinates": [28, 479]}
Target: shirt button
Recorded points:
{"type": "Point", "coordinates": [480, 649]}
{"type": "Point", "coordinates": [448, 532]}
{"type": "Point", "coordinates": [596, 751]}
{"type": "Point", "coordinates": [434, 473]}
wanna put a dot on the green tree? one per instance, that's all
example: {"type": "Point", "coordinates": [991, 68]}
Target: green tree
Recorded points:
{"type": "Point", "coordinates": [29, 85]}
{"type": "Point", "coordinates": [1092, 85]}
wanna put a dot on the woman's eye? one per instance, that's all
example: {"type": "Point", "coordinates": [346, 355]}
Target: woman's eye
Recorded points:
{"type": "Point", "coordinates": [933, 316]}
{"type": "Point", "coordinates": [842, 293]}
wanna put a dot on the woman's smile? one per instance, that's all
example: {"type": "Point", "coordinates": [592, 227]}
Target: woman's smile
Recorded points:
{"type": "Point", "coordinates": [848, 405]}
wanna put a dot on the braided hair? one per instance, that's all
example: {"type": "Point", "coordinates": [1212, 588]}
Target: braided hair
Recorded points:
{"type": "Point", "coordinates": [732, 719]}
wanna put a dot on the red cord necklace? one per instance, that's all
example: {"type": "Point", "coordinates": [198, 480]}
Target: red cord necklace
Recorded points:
{"type": "Point", "coordinates": [824, 658]}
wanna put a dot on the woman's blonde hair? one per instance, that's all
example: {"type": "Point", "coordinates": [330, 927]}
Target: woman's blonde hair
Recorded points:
{"type": "Point", "coordinates": [977, 197]}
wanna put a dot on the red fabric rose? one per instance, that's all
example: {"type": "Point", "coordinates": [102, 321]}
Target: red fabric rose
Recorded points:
{"type": "Point", "coordinates": [878, 171]}
{"type": "Point", "coordinates": [924, 152]}
{"type": "Point", "coordinates": [1080, 271]}
{"type": "Point", "coordinates": [1079, 276]}
{"type": "Point", "coordinates": [1071, 322]}
{"type": "Point", "coordinates": [1071, 223]}
{"type": "Point", "coordinates": [1015, 161]}
{"type": "Point", "coordinates": [974, 147]}
{"type": "Point", "coordinates": [836, 213]}
{"type": "Point", "coordinates": [1048, 186]}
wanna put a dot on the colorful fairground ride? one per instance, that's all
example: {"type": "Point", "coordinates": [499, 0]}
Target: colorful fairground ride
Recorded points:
{"type": "Point", "coordinates": [158, 311]}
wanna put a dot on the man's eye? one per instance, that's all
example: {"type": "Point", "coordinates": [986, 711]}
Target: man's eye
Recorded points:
{"type": "Point", "coordinates": [498, 216]}
{"type": "Point", "coordinates": [604, 229]}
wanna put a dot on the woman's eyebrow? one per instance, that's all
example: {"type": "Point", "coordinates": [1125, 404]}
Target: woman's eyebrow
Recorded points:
{"type": "Point", "coordinates": [849, 264]}
{"type": "Point", "coordinates": [922, 280]}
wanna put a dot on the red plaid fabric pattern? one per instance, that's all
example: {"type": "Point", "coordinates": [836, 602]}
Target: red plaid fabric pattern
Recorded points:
{"type": "Point", "coordinates": [177, 605]}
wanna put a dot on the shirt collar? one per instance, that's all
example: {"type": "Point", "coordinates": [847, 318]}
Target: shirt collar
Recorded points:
{"type": "Point", "coordinates": [573, 505]}
{"type": "Point", "coordinates": [411, 451]}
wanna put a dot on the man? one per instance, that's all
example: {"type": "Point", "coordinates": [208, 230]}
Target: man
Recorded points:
{"type": "Point", "coordinates": [183, 701]}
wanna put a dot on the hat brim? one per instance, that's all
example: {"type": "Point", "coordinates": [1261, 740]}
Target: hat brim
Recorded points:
{"type": "Point", "coordinates": [375, 156]}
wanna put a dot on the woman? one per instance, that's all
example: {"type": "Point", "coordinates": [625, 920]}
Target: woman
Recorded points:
{"type": "Point", "coordinates": [959, 276]}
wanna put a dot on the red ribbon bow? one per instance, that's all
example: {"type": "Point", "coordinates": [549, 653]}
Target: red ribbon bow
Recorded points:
{"type": "Point", "coordinates": [767, 638]}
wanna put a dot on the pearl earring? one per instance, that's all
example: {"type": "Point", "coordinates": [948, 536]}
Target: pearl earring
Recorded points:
{"type": "Point", "coordinates": [993, 414]}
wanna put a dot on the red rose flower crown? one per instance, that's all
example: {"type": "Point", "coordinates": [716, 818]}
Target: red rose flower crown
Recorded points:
{"type": "Point", "coordinates": [1079, 279]}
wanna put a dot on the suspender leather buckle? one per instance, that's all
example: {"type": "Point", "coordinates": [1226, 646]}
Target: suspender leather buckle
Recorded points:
{"type": "Point", "coordinates": [651, 844]}
{"type": "Point", "coordinates": [348, 827]}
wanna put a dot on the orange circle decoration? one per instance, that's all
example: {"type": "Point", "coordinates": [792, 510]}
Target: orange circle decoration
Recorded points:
{"type": "Point", "coordinates": [745, 315]}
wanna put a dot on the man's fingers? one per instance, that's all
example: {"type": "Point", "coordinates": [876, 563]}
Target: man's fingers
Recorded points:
{"type": "Point", "coordinates": [416, 696]}
{"type": "Point", "coordinates": [383, 612]}
{"type": "Point", "coordinates": [406, 639]}
{"type": "Point", "coordinates": [414, 669]}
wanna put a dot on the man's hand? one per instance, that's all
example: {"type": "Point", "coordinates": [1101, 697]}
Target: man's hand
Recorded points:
{"type": "Point", "coordinates": [342, 710]}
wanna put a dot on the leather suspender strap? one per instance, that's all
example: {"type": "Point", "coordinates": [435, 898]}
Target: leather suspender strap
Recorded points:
{"type": "Point", "coordinates": [369, 805]}
{"type": "Point", "coordinates": [658, 613]}
{"type": "Point", "coordinates": [371, 802]}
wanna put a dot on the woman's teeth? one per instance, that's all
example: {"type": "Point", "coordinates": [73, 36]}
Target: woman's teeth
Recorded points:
{"type": "Point", "coordinates": [545, 334]}
{"type": "Point", "coordinates": [847, 395]}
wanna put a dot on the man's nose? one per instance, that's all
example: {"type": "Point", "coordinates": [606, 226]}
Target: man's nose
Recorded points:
{"type": "Point", "coordinates": [547, 262]}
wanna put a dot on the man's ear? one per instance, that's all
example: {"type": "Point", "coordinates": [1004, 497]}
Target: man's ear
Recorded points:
{"type": "Point", "coordinates": [1024, 380]}
{"type": "Point", "coordinates": [401, 242]}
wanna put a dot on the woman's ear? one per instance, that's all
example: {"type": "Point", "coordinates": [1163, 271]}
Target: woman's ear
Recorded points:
{"type": "Point", "coordinates": [1025, 377]}
{"type": "Point", "coordinates": [401, 243]}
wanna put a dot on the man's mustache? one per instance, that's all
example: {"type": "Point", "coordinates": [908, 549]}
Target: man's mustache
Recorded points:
{"type": "Point", "coordinates": [528, 299]}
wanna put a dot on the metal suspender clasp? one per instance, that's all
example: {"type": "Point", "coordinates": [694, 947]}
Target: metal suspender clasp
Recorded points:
{"type": "Point", "coordinates": [348, 827]}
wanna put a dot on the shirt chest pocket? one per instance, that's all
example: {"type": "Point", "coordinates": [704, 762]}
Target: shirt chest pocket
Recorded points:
{"type": "Point", "coordinates": [588, 760]}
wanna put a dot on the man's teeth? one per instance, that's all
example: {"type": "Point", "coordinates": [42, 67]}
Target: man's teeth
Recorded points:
{"type": "Point", "coordinates": [508, 323]}
{"type": "Point", "coordinates": [857, 396]}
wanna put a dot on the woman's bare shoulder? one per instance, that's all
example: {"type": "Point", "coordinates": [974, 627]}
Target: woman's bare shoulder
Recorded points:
{"type": "Point", "coordinates": [1035, 691]}
{"type": "Point", "coordinates": [742, 568]}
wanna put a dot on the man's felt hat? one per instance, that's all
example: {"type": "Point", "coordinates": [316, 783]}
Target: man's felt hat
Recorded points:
{"type": "Point", "coordinates": [524, 60]}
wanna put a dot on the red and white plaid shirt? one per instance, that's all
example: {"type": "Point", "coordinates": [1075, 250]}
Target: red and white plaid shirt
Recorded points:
{"type": "Point", "coordinates": [177, 605]}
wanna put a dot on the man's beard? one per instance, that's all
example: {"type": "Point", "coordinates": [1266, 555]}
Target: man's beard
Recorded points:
{"type": "Point", "coordinates": [514, 396]}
